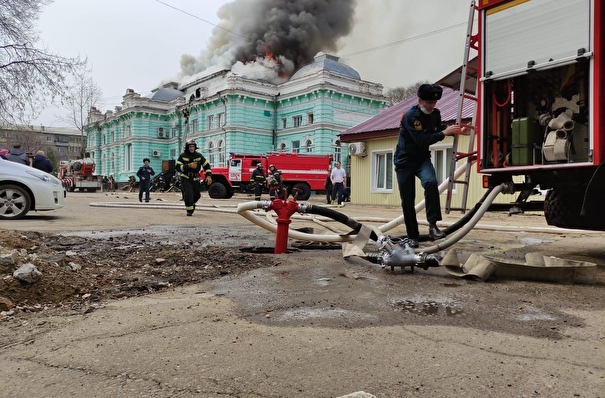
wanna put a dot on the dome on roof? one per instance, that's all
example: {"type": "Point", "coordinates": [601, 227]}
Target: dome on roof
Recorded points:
{"type": "Point", "coordinates": [329, 63]}
{"type": "Point", "coordinates": [165, 94]}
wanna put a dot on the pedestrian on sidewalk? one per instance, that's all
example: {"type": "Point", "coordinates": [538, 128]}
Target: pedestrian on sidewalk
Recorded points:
{"type": "Point", "coordinates": [339, 182]}
{"type": "Point", "coordinates": [42, 163]}
{"type": "Point", "coordinates": [145, 172]}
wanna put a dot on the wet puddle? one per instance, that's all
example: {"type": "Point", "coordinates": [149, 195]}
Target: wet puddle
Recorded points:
{"type": "Point", "coordinates": [428, 307]}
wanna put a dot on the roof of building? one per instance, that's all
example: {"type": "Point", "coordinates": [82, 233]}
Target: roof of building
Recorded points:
{"type": "Point", "coordinates": [390, 118]}
{"type": "Point", "coordinates": [328, 63]}
{"type": "Point", "coordinates": [165, 94]}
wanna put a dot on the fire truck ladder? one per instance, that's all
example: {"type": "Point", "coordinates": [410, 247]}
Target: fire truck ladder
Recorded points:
{"type": "Point", "coordinates": [472, 43]}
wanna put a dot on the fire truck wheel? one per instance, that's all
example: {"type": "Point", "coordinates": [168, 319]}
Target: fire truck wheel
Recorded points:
{"type": "Point", "coordinates": [217, 191]}
{"type": "Point", "coordinates": [562, 209]}
{"type": "Point", "coordinates": [15, 202]}
{"type": "Point", "coordinates": [304, 191]}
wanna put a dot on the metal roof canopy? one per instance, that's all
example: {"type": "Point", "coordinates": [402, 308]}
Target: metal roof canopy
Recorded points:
{"type": "Point", "coordinates": [452, 80]}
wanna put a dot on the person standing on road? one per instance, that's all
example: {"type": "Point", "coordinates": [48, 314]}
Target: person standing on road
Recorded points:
{"type": "Point", "coordinates": [17, 155]}
{"type": "Point", "coordinates": [328, 187]}
{"type": "Point", "coordinates": [42, 163]}
{"type": "Point", "coordinates": [145, 172]}
{"type": "Point", "coordinates": [259, 181]}
{"type": "Point", "coordinates": [190, 164]}
{"type": "Point", "coordinates": [276, 188]}
{"type": "Point", "coordinates": [339, 182]}
{"type": "Point", "coordinates": [420, 128]}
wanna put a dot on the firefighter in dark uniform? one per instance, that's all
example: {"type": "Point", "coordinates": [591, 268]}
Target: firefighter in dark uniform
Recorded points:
{"type": "Point", "coordinates": [259, 181]}
{"type": "Point", "coordinates": [276, 187]}
{"type": "Point", "coordinates": [189, 164]}
{"type": "Point", "coordinates": [420, 128]}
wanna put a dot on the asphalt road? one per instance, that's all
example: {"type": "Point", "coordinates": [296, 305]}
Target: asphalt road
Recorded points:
{"type": "Point", "coordinates": [318, 325]}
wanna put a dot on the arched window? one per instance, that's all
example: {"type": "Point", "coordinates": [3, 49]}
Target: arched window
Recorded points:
{"type": "Point", "coordinates": [221, 153]}
{"type": "Point", "coordinates": [337, 151]}
{"type": "Point", "coordinates": [211, 153]}
{"type": "Point", "coordinates": [308, 146]}
{"type": "Point", "coordinates": [283, 147]}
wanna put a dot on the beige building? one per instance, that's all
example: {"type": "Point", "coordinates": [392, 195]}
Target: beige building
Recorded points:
{"type": "Point", "coordinates": [59, 143]}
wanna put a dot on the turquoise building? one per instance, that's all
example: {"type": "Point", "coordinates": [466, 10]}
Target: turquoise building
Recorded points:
{"type": "Point", "coordinates": [225, 112]}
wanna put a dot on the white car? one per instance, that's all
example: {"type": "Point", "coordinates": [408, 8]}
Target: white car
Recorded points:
{"type": "Point", "coordinates": [23, 188]}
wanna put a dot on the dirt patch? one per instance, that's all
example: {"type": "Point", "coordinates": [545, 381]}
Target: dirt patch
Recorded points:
{"type": "Point", "coordinates": [77, 271]}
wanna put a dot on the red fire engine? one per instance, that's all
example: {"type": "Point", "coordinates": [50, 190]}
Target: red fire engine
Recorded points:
{"type": "Point", "coordinates": [79, 174]}
{"type": "Point", "coordinates": [301, 173]}
{"type": "Point", "coordinates": [540, 69]}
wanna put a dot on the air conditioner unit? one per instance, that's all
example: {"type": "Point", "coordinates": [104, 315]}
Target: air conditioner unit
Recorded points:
{"type": "Point", "coordinates": [155, 153]}
{"type": "Point", "coordinates": [357, 149]}
{"type": "Point", "coordinates": [161, 133]}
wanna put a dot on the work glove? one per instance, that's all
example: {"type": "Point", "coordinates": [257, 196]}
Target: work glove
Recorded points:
{"type": "Point", "coordinates": [192, 165]}
{"type": "Point", "coordinates": [208, 180]}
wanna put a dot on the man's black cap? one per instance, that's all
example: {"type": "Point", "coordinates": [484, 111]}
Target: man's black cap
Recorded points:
{"type": "Point", "coordinates": [430, 92]}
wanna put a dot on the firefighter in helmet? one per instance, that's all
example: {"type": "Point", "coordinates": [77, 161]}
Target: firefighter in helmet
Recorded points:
{"type": "Point", "coordinates": [258, 180]}
{"type": "Point", "coordinates": [276, 188]}
{"type": "Point", "coordinates": [190, 164]}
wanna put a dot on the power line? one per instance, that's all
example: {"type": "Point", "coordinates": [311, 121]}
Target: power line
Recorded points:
{"type": "Point", "coordinates": [202, 19]}
{"type": "Point", "coordinates": [360, 52]}
{"type": "Point", "coordinates": [395, 43]}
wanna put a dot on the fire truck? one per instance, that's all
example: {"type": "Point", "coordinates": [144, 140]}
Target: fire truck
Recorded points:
{"type": "Point", "coordinates": [79, 174]}
{"type": "Point", "coordinates": [540, 92]}
{"type": "Point", "coordinates": [301, 173]}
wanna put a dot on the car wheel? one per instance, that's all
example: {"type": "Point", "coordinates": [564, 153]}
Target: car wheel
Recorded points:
{"type": "Point", "coordinates": [15, 202]}
{"type": "Point", "coordinates": [217, 190]}
{"type": "Point", "coordinates": [304, 191]}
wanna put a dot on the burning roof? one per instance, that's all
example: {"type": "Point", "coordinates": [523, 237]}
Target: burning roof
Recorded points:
{"type": "Point", "coordinates": [271, 39]}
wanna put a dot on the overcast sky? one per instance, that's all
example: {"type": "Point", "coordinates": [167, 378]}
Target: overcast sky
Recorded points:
{"type": "Point", "coordinates": [139, 43]}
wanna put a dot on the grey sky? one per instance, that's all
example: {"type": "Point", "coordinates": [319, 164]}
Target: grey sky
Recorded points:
{"type": "Point", "coordinates": [139, 43]}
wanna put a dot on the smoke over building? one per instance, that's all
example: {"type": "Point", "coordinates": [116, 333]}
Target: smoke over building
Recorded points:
{"type": "Point", "coordinates": [272, 38]}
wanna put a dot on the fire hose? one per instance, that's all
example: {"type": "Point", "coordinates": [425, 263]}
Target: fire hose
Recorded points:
{"type": "Point", "coordinates": [391, 253]}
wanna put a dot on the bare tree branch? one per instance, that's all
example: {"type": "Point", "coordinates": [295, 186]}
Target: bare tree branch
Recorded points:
{"type": "Point", "coordinates": [30, 77]}
{"type": "Point", "coordinates": [82, 94]}
{"type": "Point", "coordinates": [398, 94]}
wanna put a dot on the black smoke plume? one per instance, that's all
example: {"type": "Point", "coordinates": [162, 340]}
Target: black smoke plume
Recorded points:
{"type": "Point", "coordinates": [277, 35]}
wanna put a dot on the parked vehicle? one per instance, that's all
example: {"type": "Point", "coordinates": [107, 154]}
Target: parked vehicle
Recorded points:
{"type": "Point", "coordinates": [79, 174]}
{"type": "Point", "coordinates": [541, 101]}
{"type": "Point", "coordinates": [301, 173]}
{"type": "Point", "coordinates": [23, 189]}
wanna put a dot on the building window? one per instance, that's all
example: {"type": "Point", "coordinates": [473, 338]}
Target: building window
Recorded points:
{"type": "Point", "coordinates": [49, 138]}
{"type": "Point", "coordinates": [441, 160]}
{"type": "Point", "coordinates": [173, 132]}
{"type": "Point", "coordinates": [309, 118]}
{"type": "Point", "coordinates": [283, 147]}
{"type": "Point", "coordinates": [308, 146]}
{"type": "Point", "coordinates": [194, 126]}
{"type": "Point", "coordinates": [337, 151]}
{"type": "Point", "coordinates": [112, 136]}
{"type": "Point", "coordinates": [221, 153]}
{"type": "Point", "coordinates": [211, 153]}
{"type": "Point", "coordinates": [221, 119]}
{"type": "Point", "coordinates": [382, 171]}
{"type": "Point", "coordinates": [297, 121]}
{"type": "Point", "coordinates": [173, 153]}
{"type": "Point", "coordinates": [127, 131]}
{"type": "Point", "coordinates": [296, 146]}
{"type": "Point", "coordinates": [210, 122]}
{"type": "Point", "coordinates": [128, 163]}
{"type": "Point", "coordinates": [284, 123]}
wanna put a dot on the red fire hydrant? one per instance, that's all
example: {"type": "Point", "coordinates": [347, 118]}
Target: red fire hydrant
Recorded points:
{"type": "Point", "coordinates": [284, 210]}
